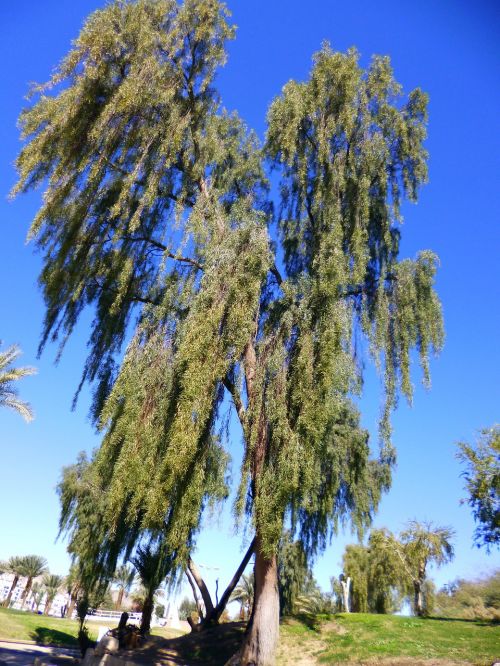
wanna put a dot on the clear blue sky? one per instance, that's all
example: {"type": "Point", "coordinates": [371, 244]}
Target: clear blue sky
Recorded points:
{"type": "Point", "coordinates": [450, 49]}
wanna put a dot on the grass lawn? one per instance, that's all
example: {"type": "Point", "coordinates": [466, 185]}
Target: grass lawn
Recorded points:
{"type": "Point", "coordinates": [362, 637]}
{"type": "Point", "coordinates": [41, 629]}
{"type": "Point", "coordinates": [341, 639]}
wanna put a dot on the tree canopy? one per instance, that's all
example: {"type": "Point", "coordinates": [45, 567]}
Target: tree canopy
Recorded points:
{"type": "Point", "coordinates": [157, 213]}
{"type": "Point", "coordinates": [482, 483]}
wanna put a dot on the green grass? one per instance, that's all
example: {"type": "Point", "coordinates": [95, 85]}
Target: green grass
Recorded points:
{"type": "Point", "coordinates": [326, 640]}
{"type": "Point", "coordinates": [359, 636]}
{"type": "Point", "coordinates": [22, 626]}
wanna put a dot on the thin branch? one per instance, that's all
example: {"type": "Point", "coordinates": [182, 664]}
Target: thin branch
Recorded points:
{"type": "Point", "coordinates": [274, 271]}
{"type": "Point", "coordinates": [238, 403]}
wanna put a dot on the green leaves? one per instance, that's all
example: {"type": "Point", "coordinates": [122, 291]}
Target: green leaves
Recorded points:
{"type": "Point", "coordinates": [157, 215]}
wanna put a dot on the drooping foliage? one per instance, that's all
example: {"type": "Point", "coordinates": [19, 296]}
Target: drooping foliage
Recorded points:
{"type": "Point", "coordinates": [294, 573]}
{"type": "Point", "coordinates": [157, 214]}
{"type": "Point", "coordinates": [482, 483]}
{"type": "Point", "coordinates": [376, 572]}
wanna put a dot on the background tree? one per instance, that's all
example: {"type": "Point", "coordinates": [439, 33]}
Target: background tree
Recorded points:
{"type": "Point", "coordinates": [243, 593]}
{"type": "Point", "coordinates": [37, 593]}
{"type": "Point", "coordinates": [9, 375]}
{"type": "Point", "coordinates": [378, 579]}
{"type": "Point", "coordinates": [153, 564]}
{"type": "Point", "coordinates": [355, 564]}
{"type": "Point", "coordinates": [419, 545]}
{"type": "Point", "coordinates": [156, 199]}
{"type": "Point", "coordinates": [32, 566]}
{"type": "Point", "coordinates": [52, 584]}
{"type": "Point", "coordinates": [482, 483]}
{"type": "Point", "coordinates": [186, 608]}
{"type": "Point", "coordinates": [14, 565]}
{"type": "Point", "coordinates": [124, 579]}
{"type": "Point", "coordinates": [294, 574]}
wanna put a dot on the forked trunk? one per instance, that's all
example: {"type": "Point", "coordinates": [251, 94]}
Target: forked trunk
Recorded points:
{"type": "Point", "coordinates": [346, 589]}
{"type": "Point", "coordinates": [6, 603]}
{"type": "Point", "coordinates": [261, 641]}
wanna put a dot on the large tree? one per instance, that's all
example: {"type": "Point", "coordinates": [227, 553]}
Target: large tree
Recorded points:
{"type": "Point", "coordinates": [482, 483]}
{"type": "Point", "coordinates": [157, 213]}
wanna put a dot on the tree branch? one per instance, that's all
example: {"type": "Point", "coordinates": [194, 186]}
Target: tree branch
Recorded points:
{"type": "Point", "coordinates": [234, 581]}
{"type": "Point", "coordinates": [274, 271]}
{"type": "Point", "coordinates": [205, 594]}
{"type": "Point", "coordinates": [238, 403]}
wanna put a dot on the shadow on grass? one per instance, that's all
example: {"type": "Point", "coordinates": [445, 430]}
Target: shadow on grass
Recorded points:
{"type": "Point", "coordinates": [310, 620]}
{"type": "Point", "coordinates": [47, 636]}
{"type": "Point", "coordinates": [211, 647]}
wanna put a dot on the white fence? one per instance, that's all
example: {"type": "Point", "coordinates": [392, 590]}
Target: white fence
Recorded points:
{"type": "Point", "coordinates": [99, 615]}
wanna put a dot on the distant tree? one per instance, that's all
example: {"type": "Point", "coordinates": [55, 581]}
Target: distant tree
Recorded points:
{"type": "Point", "coordinates": [32, 567]}
{"type": "Point", "coordinates": [294, 573]}
{"type": "Point", "coordinates": [160, 610]}
{"type": "Point", "coordinates": [124, 579]}
{"type": "Point", "coordinates": [421, 544]}
{"type": "Point", "coordinates": [471, 599]}
{"type": "Point", "coordinates": [14, 565]}
{"type": "Point", "coordinates": [376, 574]}
{"type": "Point", "coordinates": [355, 565]}
{"type": "Point", "coordinates": [244, 594]}
{"type": "Point", "coordinates": [37, 592]}
{"type": "Point", "coordinates": [8, 375]}
{"type": "Point", "coordinates": [482, 483]}
{"type": "Point", "coordinates": [186, 608]}
{"type": "Point", "coordinates": [52, 584]}
{"type": "Point", "coordinates": [153, 563]}
{"type": "Point", "coordinates": [157, 200]}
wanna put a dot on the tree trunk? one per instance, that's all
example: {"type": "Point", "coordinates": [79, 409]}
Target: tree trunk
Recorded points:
{"type": "Point", "coordinates": [119, 600]}
{"type": "Point", "coordinates": [205, 594]}
{"type": "Point", "coordinates": [346, 589]}
{"type": "Point", "coordinates": [418, 603]}
{"type": "Point", "coordinates": [73, 597]}
{"type": "Point", "coordinates": [147, 612]}
{"type": "Point", "coordinates": [26, 591]}
{"type": "Point", "coordinates": [6, 603]}
{"type": "Point", "coordinates": [259, 647]}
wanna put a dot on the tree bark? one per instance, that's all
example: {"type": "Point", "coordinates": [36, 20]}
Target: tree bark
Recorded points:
{"type": "Point", "coordinates": [26, 591]}
{"type": "Point", "coordinates": [119, 599]}
{"type": "Point", "coordinates": [205, 594]}
{"type": "Point", "coordinates": [6, 603]}
{"type": "Point", "coordinates": [259, 647]}
{"type": "Point", "coordinates": [147, 612]}
{"type": "Point", "coordinates": [419, 607]}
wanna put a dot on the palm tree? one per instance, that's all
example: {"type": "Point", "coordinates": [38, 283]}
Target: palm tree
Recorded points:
{"type": "Point", "coordinates": [37, 592]}
{"type": "Point", "coordinates": [124, 579]}
{"type": "Point", "coordinates": [32, 567]}
{"type": "Point", "coordinates": [8, 375]}
{"type": "Point", "coordinates": [424, 543]}
{"type": "Point", "coordinates": [52, 584]}
{"type": "Point", "coordinates": [243, 593]}
{"type": "Point", "coordinates": [13, 565]}
{"type": "Point", "coordinates": [152, 564]}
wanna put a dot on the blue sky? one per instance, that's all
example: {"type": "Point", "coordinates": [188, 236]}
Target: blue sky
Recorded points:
{"type": "Point", "coordinates": [451, 50]}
